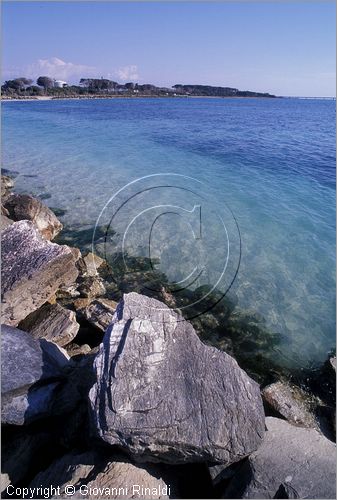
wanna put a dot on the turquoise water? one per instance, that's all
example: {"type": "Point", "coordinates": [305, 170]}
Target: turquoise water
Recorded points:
{"type": "Point", "coordinates": [266, 165]}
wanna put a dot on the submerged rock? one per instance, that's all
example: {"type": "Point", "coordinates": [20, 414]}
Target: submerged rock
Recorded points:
{"type": "Point", "coordinates": [293, 461]}
{"type": "Point", "coordinates": [25, 207]}
{"type": "Point", "coordinates": [32, 270]}
{"type": "Point", "coordinates": [31, 374]}
{"type": "Point", "coordinates": [290, 402]}
{"type": "Point", "coordinates": [90, 264]}
{"type": "Point", "coordinates": [52, 322]}
{"type": "Point", "coordinates": [92, 476]}
{"type": "Point", "coordinates": [162, 395]}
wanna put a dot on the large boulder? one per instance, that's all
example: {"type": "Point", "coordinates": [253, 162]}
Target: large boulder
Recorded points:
{"type": "Point", "coordinates": [89, 475]}
{"type": "Point", "coordinates": [162, 395]}
{"type": "Point", "coordinates": [32, 270]}
{"type": "Point", "coordinates": [26, 207]}
{"type": "Point", "coordinates": [52, 322]}
{"type": "Point", "coordinates": [31, 374]}
{"type": "Point", "coordinates": [292, 462]}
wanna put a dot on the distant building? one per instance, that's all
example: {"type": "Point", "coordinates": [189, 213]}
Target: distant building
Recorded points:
{"type": "Point", "coordinates": [59, 84]}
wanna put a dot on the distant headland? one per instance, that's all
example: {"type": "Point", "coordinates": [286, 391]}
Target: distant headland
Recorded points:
{"type": "Point", "coordinates": [46, 87]}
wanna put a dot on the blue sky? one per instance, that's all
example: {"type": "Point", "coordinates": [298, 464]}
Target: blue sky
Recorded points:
{"type": "Point", "coordinates": [286, 48]}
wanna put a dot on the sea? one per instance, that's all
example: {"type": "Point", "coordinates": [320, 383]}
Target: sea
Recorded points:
{"type": "Point", "coordinates": [236, 194]}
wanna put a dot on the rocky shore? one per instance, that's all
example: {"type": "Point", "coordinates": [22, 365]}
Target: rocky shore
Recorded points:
{"type": "Point", "coordinates": [115, 395]}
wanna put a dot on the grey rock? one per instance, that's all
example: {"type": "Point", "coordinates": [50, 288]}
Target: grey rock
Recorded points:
{"type": "Point", "coordinates": [6, 185]}
{"type": "Point", "coordinates": [293, 461]}
{"type": "Point", "coordinates": [25, 207]}
{"type": "Point", "coordinates": [286, 491]}
{"type": "Point", "coordinates": [333, 363]}
{"type": "Point", "coordinates": [81, 303]}
{"type": "Point", "coordinates": [5, 222]}
{"type": "Point", "coordinates": [68, 292]}
{"type": "Point", "coordinates": [52, 322]}
{"type": "Point", "coordinates": [90, 264]}
{"type": "Point", "coordinates": [31, 374]}
{"type": "Point", "coordinates": [91, 286]}
{"type": "Point", "coordinates": [74, 349]}
{"type": "Point", "coordinates": [75, 388]}
{"type": "Point", "coordinates": [32, 270]}
{"type": "Point", "coordinates": [71, 469]}
{"type": "Point", "coordinates": [19, 454]}
{"type": "Point", "coordinates": [162, 395]}
{"type": "Point", "coordinates": [89, 474]}
{"type": "Point", "coordinates": [98, 313]}
{"type": "Point", "coordinates": [4, 211]}
{"type": "Point", "coordinates": [220, 472]}
{"type": "Point", "coordinates": [289, 402]}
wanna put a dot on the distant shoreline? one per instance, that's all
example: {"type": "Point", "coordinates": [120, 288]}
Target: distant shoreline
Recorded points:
{"type": "Point", "coordinates": [77, 98]}
{"type": "Point", "coordinates": [88, 98]}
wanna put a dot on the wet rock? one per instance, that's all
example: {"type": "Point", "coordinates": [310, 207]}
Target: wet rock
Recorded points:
{"type": "Point", "coordinates": [333, 363]}
{"type": "Point", "coordinates": [32, 270]}
{"type": "Point", "coordinates": [25, 207]}
{"type": "Point", "coordinates": [90, 264]}
{"type": "Point", "coordinates": [300, 461]}
{"type": "Point", "coordinates": [162, 395]}
{"type": "Point", "coordinates": [89, 473]}
{"type": "Point", "coordinates": [92, 286]}
{"type": "Point", "coordinates": [290, 402]}
{"type": "Point", "coordinates": [98, 313]}
{"type": "Point", "coordinates": [31, 374]}
{"type": "Point", "coordinates": [52, 322]}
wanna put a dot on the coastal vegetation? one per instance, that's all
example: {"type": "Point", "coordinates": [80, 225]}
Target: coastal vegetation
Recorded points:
{"type": "Point", "coordinates": [46, 86]}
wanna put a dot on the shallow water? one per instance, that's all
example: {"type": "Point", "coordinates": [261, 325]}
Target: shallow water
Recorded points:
{"type": "Point", "coordinates": [259, 174]}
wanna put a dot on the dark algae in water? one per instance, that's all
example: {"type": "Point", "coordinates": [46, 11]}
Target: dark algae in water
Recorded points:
{"type": "Point", "coordinates": [217, 319]}
{"type": "Point", "coordinates": [80, 237]}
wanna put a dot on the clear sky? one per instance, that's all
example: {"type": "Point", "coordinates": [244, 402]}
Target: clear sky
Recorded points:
{"type": "Point", "coordinates": [285, 48]}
